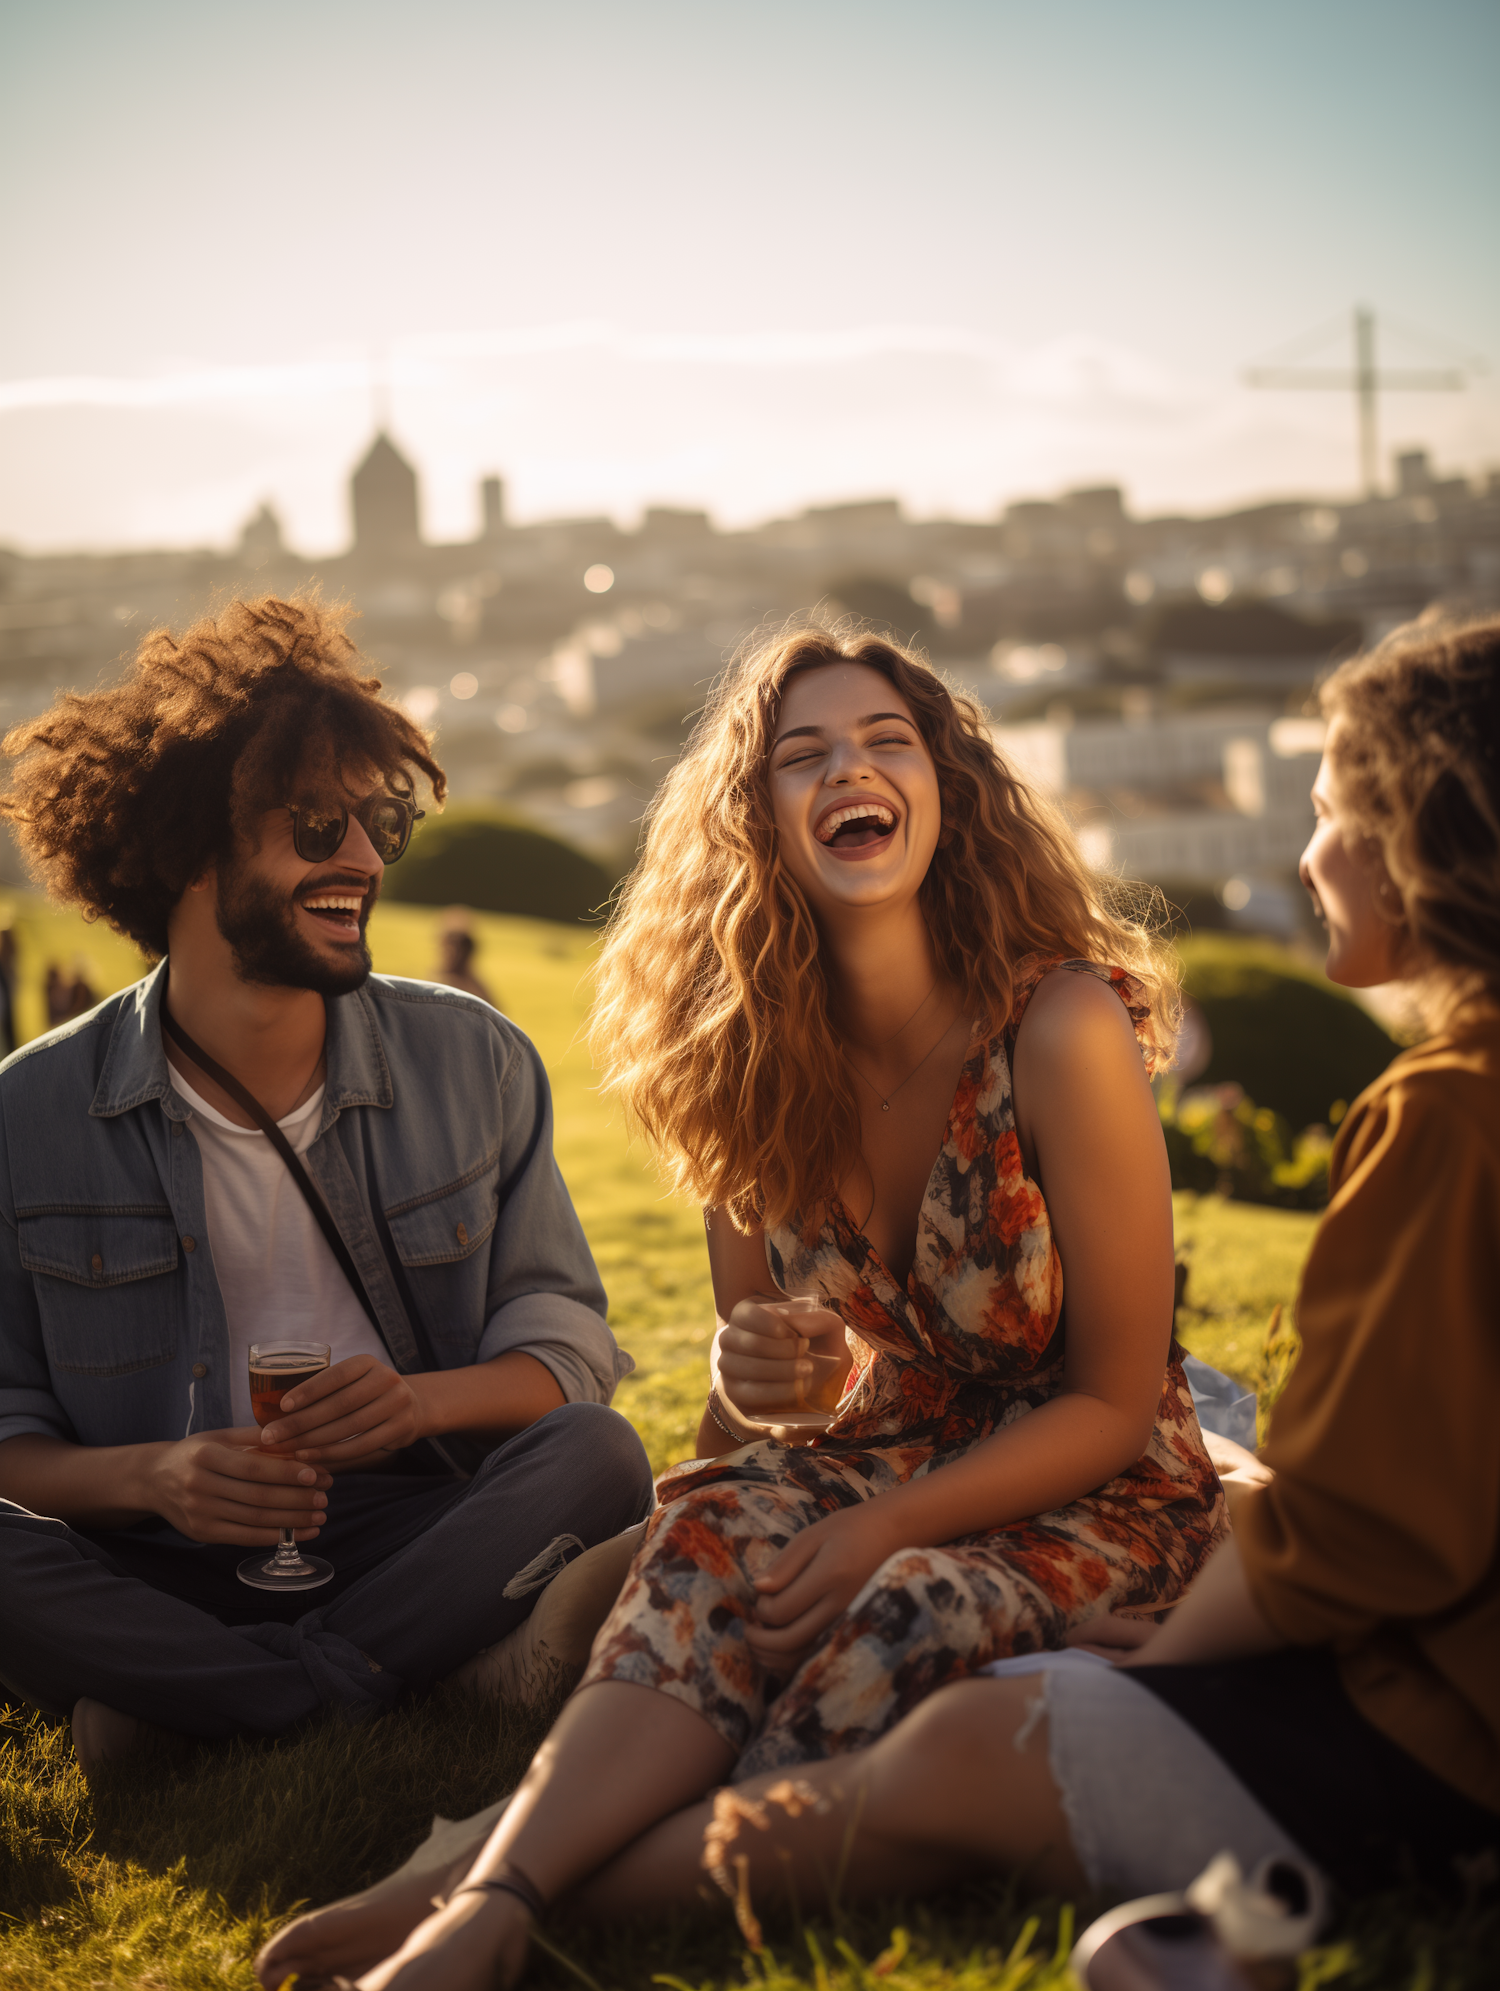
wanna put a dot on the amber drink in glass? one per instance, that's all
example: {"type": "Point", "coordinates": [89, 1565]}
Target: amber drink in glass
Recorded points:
{"type": "Point", "coordinates": [275, 1368]}
{"type": "Point", "coordinates": [812, 1399]}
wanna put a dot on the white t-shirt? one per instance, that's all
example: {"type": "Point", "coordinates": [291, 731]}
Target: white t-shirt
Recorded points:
{"type": "Point", "coordinates": [278, 1277]}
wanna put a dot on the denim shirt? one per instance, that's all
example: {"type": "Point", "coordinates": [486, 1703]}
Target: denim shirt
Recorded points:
{"type": "Point", "coordinates": [112, 1325]}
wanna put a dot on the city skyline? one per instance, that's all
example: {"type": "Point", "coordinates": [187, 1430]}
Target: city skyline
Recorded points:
{"type": "Point", "coordinates": [1028, 425]}
{"type": "Point", "coordinates": [684, 259]}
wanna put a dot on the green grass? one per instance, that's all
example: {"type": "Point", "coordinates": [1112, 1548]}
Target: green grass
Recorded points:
{"type": "Point", "coordinates": [1243, 1262]}
{"type": "Point", "coordinates": [171, 1875]}
{"type": "Point", "coordinates": [44, 934]}
{"type": "Point", "coordinates": [168, 1878]}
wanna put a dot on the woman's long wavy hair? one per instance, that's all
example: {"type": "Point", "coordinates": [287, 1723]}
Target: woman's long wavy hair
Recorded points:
{"type": "Point", "coordinates": [1416, 756]}
{"type": "Point", "coordinates": [712, 1020]}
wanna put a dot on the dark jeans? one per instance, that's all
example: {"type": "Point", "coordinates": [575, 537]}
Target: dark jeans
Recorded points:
{"type": "Point", "coordinates": [162, 1628]}
{"type": "Point", "coordinates": [1371, 1816]}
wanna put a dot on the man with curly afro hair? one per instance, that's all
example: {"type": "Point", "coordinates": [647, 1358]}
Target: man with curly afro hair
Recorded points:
{"type": "Point", "coordinates": [264, 1142]}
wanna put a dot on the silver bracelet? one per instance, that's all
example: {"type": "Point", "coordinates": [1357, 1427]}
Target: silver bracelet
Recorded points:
{"type": "Point", "coordinates": [729, 1431]}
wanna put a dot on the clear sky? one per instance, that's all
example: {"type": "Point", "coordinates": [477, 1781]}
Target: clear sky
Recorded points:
{"type": "Point", "coordinates": [747, 258]}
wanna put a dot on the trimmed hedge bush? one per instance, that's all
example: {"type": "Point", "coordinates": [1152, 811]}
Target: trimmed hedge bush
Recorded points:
{"type": "Point", "coordinates": [497, 863]}
{"type": "Point", "coordinates": [1295, 1044]}
{"type": "Point", "coordinates": [1247, 629]}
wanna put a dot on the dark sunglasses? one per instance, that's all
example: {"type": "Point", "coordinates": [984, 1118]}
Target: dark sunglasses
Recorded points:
{"type": "Point", "coordinates": [318, 832]}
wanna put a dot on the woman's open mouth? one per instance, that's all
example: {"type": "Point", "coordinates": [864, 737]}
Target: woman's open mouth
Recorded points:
{"type": "Point", "coordinates": [857, 828]}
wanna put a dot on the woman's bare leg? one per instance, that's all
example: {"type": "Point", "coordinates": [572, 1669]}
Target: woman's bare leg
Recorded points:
{"type": "Point", "coordinates": [619, 1759]}
{"type": "Point", "coordinates": [963, 1782]}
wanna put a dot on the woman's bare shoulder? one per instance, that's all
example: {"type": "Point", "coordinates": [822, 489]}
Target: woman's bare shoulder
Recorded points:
{"type": "Point", "coordinates": [1071, 1013]}
{"type": "Point", "coordinates": [1079, 1077]}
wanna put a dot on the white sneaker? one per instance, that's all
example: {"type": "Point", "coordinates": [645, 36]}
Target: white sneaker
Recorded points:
{"type": "Point", "coordinates": [1210, 1937]}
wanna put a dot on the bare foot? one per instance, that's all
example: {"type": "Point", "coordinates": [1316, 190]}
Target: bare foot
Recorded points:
{"type": "Point", "coordinates": [477, 1943]}
{"type": "Point", "coordinates": [360, 1931]}
{"type": "Point", "coordinates": [351, 1935]}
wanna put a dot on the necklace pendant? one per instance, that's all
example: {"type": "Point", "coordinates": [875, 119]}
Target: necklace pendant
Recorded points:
{"type": "Point", "coordinates": [885, 1106]}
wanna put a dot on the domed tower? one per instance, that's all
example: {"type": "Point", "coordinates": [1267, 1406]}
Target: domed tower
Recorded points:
{"type": "Point", "coordinates": [383, 493]}
{"type": "Point", "coordinates": [260, 541]}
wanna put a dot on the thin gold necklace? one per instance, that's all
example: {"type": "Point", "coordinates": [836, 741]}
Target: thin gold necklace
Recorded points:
{"type": "Point", "coordinates": [908, 1023]}
{"type": "Point", "coordinates": [886, 1098]}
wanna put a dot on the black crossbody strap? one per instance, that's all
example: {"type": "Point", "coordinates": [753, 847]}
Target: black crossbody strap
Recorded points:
{"type": "Point", "coordinates": [311, 1194]}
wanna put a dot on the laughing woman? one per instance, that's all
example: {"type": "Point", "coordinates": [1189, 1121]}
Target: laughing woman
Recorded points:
{"type": "Point", "coordinates": [866, 1000]}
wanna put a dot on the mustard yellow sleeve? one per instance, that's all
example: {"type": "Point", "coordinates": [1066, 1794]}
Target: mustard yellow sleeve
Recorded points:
{"type": "Point", "coordinates": [1386, 1444]}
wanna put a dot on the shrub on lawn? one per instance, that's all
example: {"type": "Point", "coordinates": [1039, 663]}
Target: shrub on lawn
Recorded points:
{"type": "Point", "coordinates": [1293, 1042]}
{"type": "Point", "coordinates": [495, 863]}
{"type": "Point", "coordinates": [1190, 627]}
{"type": "Point", "coordinates": [1219, 1140]}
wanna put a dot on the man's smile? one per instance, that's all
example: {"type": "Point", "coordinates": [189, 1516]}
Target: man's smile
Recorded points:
{"type": "Point", "coordinates": [339, 910]}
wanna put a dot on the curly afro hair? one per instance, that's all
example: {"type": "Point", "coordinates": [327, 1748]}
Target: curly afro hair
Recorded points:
{"type": "Point", "coordinates": [120, 798]}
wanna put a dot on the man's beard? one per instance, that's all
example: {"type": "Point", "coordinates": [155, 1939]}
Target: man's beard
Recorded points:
{"type": "Point", "coordinates": [260, 926]}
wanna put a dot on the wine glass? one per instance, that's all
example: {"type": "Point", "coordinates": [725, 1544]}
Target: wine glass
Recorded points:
{"type": "Point", "coordinates": [275, 1368]}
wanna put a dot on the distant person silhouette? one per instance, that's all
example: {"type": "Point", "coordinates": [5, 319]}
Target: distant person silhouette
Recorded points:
{"type": "Point", "coordinates": [457, 948]}
{"type": "Point", "coordinates": [67, 995]}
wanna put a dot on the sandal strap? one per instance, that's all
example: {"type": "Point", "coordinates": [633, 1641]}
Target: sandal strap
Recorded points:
{"type": "Point", "coordinates": [510, 1880]}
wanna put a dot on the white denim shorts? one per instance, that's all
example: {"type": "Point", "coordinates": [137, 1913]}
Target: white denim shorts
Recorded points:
{"type": "Point", "coordinates": [1148, 1803]}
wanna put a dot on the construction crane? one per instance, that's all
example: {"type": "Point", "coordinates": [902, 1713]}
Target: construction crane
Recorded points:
{"type": "Point", "coordinates": [1367, 382]}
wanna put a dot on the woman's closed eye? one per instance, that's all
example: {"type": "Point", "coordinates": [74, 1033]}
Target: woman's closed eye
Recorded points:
{"type": "Point", "coordinates": [811, 753]}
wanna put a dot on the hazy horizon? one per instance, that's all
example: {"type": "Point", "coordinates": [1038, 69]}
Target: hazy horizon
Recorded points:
{"type": "Point", "coordinates": [689, 258]}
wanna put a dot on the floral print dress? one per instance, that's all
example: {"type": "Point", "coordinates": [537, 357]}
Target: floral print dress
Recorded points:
{"type": "Point", "coordinates": [972, 1342]}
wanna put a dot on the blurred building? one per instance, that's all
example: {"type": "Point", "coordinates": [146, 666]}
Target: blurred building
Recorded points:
{"type": "Point", "coordinates": [1189, 798]}
{"type": "Point", "coordinates": [383, 500]}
